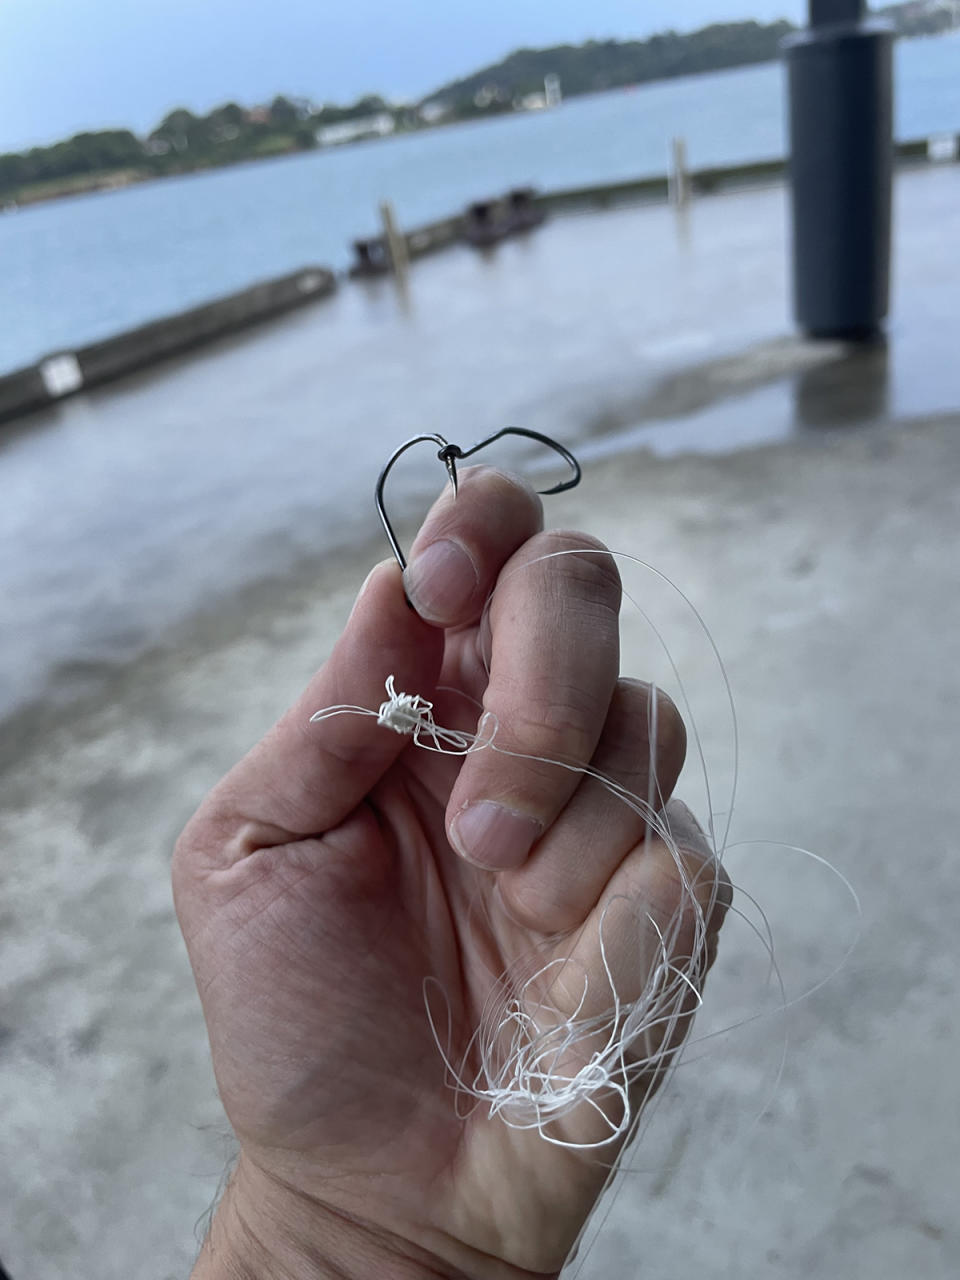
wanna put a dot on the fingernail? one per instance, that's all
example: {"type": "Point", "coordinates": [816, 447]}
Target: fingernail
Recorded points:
{"type": "Point", "coordinates": [492, 836]}
{"type": "Point", "coordinates": [441, 580]}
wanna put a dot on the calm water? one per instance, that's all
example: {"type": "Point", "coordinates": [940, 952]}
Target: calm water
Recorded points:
{"type": "Point", "coordinates": [77, 270]}
{"type": "Point", "coordinates": [128, 509]}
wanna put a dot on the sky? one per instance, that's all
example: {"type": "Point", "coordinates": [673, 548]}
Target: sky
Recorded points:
{"type": "Point", "coordinates": [68, 65]}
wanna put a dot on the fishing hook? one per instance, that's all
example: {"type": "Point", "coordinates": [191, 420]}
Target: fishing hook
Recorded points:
{"type": "Point", "coordinates": [449, 454]}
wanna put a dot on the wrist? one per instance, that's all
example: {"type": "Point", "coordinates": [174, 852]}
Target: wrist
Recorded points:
{"type": "Point", "coordinates": [264, 1230]}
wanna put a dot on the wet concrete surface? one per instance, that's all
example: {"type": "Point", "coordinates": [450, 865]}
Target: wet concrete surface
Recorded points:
{"type": "Point", "coordinates": [812, 517]}
{"type": "Point", "coordinates": [827, 572]}
{"type": "Point", "coordinates": [127, 510]}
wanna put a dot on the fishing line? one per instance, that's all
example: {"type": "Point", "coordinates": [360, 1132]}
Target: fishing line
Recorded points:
{"type": "Point", "coordinates": [557, 1049]}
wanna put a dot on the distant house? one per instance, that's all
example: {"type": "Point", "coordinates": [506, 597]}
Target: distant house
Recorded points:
{"type": "Point", "coordinates": [376, 126]}
{"type": "Point", "coordinates": [488, 96]}
{"type": "Point", "coordinates": [434, 112]}
{"type": "Point", "coordinates": [551, 96]}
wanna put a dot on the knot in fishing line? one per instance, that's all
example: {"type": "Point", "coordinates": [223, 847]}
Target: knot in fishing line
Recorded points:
{"type": "Point", "coordinates": [405, 713]}
{"type": "Point", "coordinates": [411, 715]}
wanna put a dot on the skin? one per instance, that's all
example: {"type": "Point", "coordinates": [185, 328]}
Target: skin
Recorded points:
{"type": "Point", "coordinates": [334, 869]}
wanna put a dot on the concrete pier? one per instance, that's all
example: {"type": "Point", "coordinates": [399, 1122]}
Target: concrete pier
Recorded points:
{"type": "Point", "coordinates": [65, 373]}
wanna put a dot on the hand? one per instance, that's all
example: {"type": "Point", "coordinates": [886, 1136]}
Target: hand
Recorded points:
{"type": "Point", "coordinates": [338, 866]}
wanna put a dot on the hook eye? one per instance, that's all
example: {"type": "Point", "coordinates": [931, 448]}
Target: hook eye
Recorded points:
{"type": "Point", "coordinates": [449, 454]}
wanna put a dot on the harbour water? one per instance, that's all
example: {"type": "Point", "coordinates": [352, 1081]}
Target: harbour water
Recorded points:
{"type": "Point", "coordinates": [77, 270]}
{"type": "Point", "coordinates": [129, 510]}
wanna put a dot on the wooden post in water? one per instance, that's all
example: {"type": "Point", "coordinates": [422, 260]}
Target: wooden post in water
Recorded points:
{"type": "Point", "coordinates": [396, 244]}
{"type": "Point", "coordinates": [678, 184]}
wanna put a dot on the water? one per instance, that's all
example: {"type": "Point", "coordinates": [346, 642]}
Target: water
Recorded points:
{"type": "Point", "coordinates": [129, 509]}
{"type": "Point", "coordinates": [77, 270]}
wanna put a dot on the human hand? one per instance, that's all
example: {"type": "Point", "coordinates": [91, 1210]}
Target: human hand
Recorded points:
{"type": "Point", "coordinates": [337, 867]}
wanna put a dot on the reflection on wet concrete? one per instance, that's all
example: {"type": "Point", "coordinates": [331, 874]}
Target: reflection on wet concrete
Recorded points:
{"type": "Point", "coordinates": [852, 390]}
{"type": "Point", "coordinates": [130, 508]}
{"type": "Point", "coordinates": [686, 391]}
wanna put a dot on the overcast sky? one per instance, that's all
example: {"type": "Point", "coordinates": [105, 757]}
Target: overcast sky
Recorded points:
{"type": "Point", "coordinates": [67, 65]}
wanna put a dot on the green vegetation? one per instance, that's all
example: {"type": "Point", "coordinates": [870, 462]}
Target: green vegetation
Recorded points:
{"type": "Point", "coordinates": [610, 64]}
{"type": "Point", "coordinates": [181, 143]}
{"type": "Point", "coordinates": [184, 142]}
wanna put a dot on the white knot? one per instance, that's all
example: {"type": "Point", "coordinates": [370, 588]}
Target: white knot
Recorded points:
{"type": "Point", "coordinates": [405, 712]}
{"type": "Point", "coordinates": [412, 715]}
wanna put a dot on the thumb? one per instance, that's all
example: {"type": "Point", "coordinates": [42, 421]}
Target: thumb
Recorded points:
{"type": "Point", "coordinates": [304, 778]}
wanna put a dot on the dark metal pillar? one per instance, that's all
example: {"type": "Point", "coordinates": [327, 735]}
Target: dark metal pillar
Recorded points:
{"type": "Point", "coordinates": [840, 76]}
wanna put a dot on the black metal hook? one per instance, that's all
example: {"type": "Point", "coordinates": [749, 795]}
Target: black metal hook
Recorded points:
{"type": "Point", "coordinates": [449, 454]}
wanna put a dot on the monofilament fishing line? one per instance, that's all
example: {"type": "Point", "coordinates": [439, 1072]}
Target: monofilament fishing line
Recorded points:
{"type": "Point", "coordinates": [561, 1047]}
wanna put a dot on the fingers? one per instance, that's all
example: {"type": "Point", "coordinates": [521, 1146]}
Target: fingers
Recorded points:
{"type": "Point", "coordinates": [304, 778]}
{"type": "Point", "coordinates": [642, 749]}
{"type": "Point", "coordinates": [682, 885]}
{"type": "Point", "coordinates": [631, 976]}
{"type": "Point", "coordinates": [664, 904]}
{"type": "Point", "coordinates": [464, 542]}
{"type": "Point", "coordinates": [554, 639]}
{"type": "Point", "coordinates": [706, 877]}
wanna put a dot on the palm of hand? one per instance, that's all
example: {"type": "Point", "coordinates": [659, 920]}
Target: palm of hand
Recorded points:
{"type": "Point", "coordinates": [318, 950]}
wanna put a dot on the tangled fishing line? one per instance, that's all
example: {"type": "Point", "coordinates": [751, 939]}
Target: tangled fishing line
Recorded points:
{"type": "Point", "coordinates": [557, 1049]}
{"type": "Point", "coordinates": [537, 1064]}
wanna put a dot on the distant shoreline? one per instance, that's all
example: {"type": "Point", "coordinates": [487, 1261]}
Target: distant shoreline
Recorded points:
{"type": "Point", "coordinates": [273, 139]}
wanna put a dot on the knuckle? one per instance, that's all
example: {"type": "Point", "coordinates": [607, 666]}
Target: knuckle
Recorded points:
{"type": "Point", "coordinates": [724, 897]}
{"type": "Point", "coordinates": [202, 844]}
{"type": "Point", "coordinates": [552, 716]}
{"type": "Point", "coordinates": [181, 865]}
{"type": "Point", "coordinates": [587, 565]}
{"type": "Point", "coordinates": [645, 737]}
{"type": "Point", "coordinates": [669, 733]}
{"type": "Point", "coordinates": [532, 905]}
{"type": "Point", "coordinates": [523, 904]}
{"type": "Point", "coordinates": [713, 890]}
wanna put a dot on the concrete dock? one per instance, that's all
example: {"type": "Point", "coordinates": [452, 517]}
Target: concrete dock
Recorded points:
{"type": "Point", "coordinates": [66, 373]}
{"type": "Point", "coordinates": [807, 499]}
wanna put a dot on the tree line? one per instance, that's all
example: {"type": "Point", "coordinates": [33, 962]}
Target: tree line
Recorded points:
{"type": "Point", "coordinates": [181, 142]}
{"type": "Point", "coordinates": [184, 141]}
{"type": "Point", "coordinates": [611, 64]}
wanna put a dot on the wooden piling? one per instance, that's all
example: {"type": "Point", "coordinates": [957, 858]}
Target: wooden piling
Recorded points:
{"type": "Point", "coordinates": [678, 184]}
{"type": "Point", "coordinates": [396, 243]}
